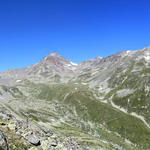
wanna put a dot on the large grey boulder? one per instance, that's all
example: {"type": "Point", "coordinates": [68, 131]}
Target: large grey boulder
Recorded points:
{"type": "Point", "coordinates": [33, 140]}
{"type": "Point", "coordinates": [3, 142]}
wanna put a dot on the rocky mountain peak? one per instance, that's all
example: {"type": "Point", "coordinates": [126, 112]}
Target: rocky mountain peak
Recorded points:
{"type": "Point", "coordinates": [54, 54]}
{"type": "Point", "coordinates": [55, 59]}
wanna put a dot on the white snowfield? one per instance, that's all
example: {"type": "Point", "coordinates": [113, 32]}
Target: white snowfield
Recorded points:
{"type": "Point", "coordinates": [147, 56]}
{"type": "Point", "coordinates": [74, 64]}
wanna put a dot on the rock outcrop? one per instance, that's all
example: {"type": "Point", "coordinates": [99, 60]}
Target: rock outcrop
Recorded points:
{"type": "Point", "coordinates": [3, 142]}
{"type": "Point", "coordinates": [33, 140]}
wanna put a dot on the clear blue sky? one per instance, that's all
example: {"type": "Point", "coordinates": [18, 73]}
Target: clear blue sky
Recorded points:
{"type": "Point", "coordinates": [76, 29]}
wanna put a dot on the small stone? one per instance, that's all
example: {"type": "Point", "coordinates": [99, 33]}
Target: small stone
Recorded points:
{"type": "Point", "coordinates": [33, 148]}
{"type": "Point", "coordinates": [54, 136]}
{"type": "Point", "coordinates": [52, 142]}
{"type": "Point", "coordinates": [12, 126]}
{"type": "Point", "coordinates": [44, 144]}
{"type": "Point", "coordinates": [60, 146]}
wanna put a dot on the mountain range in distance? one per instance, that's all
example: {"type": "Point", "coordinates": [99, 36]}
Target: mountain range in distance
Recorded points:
{"type": "Point", "coordinates": [98, 104]}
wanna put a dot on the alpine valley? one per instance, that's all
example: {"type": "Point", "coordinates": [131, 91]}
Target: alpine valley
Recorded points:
{"type": "Point", "coordinates": [99, 104]}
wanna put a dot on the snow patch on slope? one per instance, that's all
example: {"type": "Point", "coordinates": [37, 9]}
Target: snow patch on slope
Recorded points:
{"type": "Point", "coordinates": [147, 55]}
{"type": "Point", "coordinates": [128, 52]}
{"type": "Point", "coordinates": [18, 81]}
{"type": "Point", "coordinates": [74, 64]}
{"type": "Point", "coordinates": [71, 66]}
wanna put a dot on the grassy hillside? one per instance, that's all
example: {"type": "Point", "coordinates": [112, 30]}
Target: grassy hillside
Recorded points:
{"type": "Point", "coordinates": [75, 109]}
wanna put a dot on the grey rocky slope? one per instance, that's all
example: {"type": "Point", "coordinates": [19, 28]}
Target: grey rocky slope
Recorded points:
{"type": "Point", "coordinates": [102, 103]}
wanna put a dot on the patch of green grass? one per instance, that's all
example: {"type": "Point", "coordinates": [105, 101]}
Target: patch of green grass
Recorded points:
{"type": "Point", "coordinates": [34, 122]}
{"type": "Point", "coordinates": [83, 138]}
{"type": "Point", "coordinates": [1, 148]}
{"type": "Point", "coordinates": [34, 117]}
{"type": "Point", "coordinates": [14, 91]}
{"type": "Point", "coordinates": [16, 144]}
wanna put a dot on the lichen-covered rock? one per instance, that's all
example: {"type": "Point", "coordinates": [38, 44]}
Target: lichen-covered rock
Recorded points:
{"type": "Point", "coordinates": [33, 148]}
{"type": "Point", "coordinates": [44, 144]}
{"type": "Point", "coordinates": [12, 126]}
{"type": "Point", "coordinates": [52, 142]}
{"type": "Point", "coordinates": [64, 148]}
{"type": "Point", "coordinates": [33, 140]}
{"type": "Point", "coordinates": [25, 133]}
{"type": "Point", "coordinates": [54, 136]}
{"type": "Point", "coordinates": [60, 146]}
{"type": "Point", "coordinates": [3, 142]}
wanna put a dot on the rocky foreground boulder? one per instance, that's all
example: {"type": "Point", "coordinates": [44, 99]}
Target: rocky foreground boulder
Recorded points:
{"type": "Point", "coordinates": [33, 140]}
{"type": "Point", "coordinates": [3, 142]}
